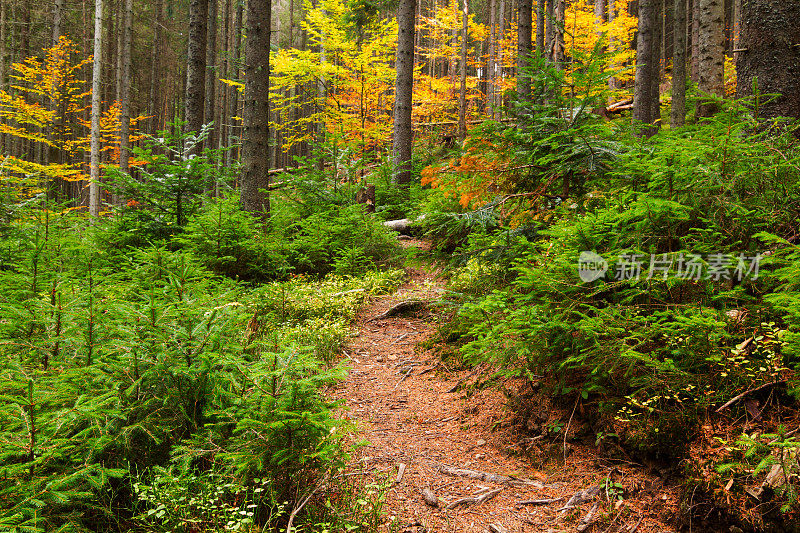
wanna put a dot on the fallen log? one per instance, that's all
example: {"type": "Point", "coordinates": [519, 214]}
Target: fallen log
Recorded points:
{"type": "Point", "coordinates": [403, 226]}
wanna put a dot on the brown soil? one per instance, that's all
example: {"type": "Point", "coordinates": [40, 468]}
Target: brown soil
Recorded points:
{"type": "Point", "coordinates": [398, 395]}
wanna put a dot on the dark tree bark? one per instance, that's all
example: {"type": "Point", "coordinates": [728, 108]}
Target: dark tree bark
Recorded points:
{"type": "Point", "coordinates": [646, 109]}
{"type": "Point", "coordinates": [125, 87]}
{"type": "Point", "coordinates": [769, 40]}
{"type": "Point", "coordinates": [525, 18]}
{"type": "Point", "coordinates": [153, 107]}
{"type": "Point", "coordinates": [211, 73]}
{"type": "Point", "coordinates": [255, 142]}
{"type": "Point", "coordinates": [402, 135]}
{"type": "Point", "coordinates": [540, 24]}
{"type": "Point", "coordinates": [196, 65]}
{"type": "Point", "coordinates": [678, 110]}
{"type": "Point", "coordinates": [711, 42]}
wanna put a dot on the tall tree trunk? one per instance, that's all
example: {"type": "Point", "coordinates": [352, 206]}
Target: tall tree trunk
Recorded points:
{"type": "Point", "coordinates": [525, 22]}
{"type": "Point", "coordinates": [3, 55]}
{"type": "Point", "coordinates": [558, 45]}
{"type": "Point", "coordinates": [696, 40]}
{"type": "Point", "coordinates": [491, 59]}
{"type": "Point", "coordinates": [712, 53]}
{"type": "Point", "coordinates": [255, 142]}
{"type": "Point", "coordinates": [211, 73]}
{"type": "Point", "coordinates": [97, 72]}
{"type": "Point", "coordinates": [647, 66]}
{"type": "Point", "coordinates": [769, 36]}
{"type": "Point", "coordinates": [233, 103]}
{"type": "Point", "coordinates": [678, 110]}
{"type": "Point", "coordinates": [549, 33]}
{"type": "Point", "coordinates": [58, 15]}
{"type": "Point", "coordinates": [462, 91]}
{"type": "Point", "coordinates": [196, 65]}
{"type": "Point", "coordinates": [612, 14]}
{"type": "Point", "coordinates": [153, 107]}
{"type": "Point", "coordinates": [540, 24]}
{"type": "Point", "coordinates": [125, 88]}
{"type": "Point", "coordinates": [402, 135]}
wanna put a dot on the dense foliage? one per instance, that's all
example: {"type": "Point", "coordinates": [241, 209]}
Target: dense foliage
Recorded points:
{"type": "Point", "coordinates": [649, 280]}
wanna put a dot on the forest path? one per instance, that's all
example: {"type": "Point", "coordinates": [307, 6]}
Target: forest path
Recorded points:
{"type": "Point", "coordinates": [401, 398]}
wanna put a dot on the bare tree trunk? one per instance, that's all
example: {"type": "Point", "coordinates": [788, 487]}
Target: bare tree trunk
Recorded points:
{"type": "Point", "coordinates": [647, 67]}
{"type": "Point", "coordinates": [462, 91]}
{"type": "Point", "coordinates": [211, 73]}
{"type": "Point", "coordinates": [549, 33]}
{"type": "Point", "coordinates": [769, 38]}
{"type": "Point", "coordinates": [3, 55]}
{"type": "Point", "coordinates": [612, 14]}
{"type": "Point", "coordinates": [97, 72]}
{"type": "Point", "coordinates": [540, 24]}
{"type": "Point", "coordinates": [196, 65]}
{"type": "Point", "coordinates": [155, 68]}
{"type": "Point", "coordinates": [233, 103]}
{"type": "Point", "coordinates": [696, 40]}
{"type": "Point", "coordinates": [678, 110]}
{"type": "Point", "coordinates": [402, 135]}
{"type": "Point", "coordinates": [125, 86]}
{"type": "Point", "coordinates": [58, 14]}
{"type": "Point", "coordinates": [525, 23]}
{"type": "Point", "coordinates": [558, 46]}
{"type": "Point", "coordinates": [491, 60]}
{"type": "Point", "coordinates": [712, 53]}
{"type": "Point", "coordinates": [255, 143]}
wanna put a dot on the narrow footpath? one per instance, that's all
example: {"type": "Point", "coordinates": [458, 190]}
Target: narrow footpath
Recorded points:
{"type": "Point", "coordinates": [457, 460]}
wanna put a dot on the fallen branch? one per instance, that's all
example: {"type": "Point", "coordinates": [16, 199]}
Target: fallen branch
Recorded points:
{"type": "Point", "coordinates": [586, 521]}
{"type": "Point", "coordinates": [748, 392]}
{"type": "Point", "coordinates": [401, 469]}
{"type": "Point", "coordinates": [486, 476]}
{"type": "Point", "coordinates": [402, 307]}
{"type": "Point", "coordinates": [486, 496]}
{"type": "Point", "coordinates": [544, 501]}
{"type": "Point", "coordinates": [410, 370]}
{"type": "Point", "coordinates": [580, 497]}
{"type": "Point", "coordinates": [497, 528]}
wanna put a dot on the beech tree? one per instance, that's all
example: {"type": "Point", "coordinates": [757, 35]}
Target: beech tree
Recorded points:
{"type": "Point", "coordinates": [769, 43]}
{"type": "Point", "coordinates": [402, 135]}
{"type": "Point", "coordinates": [255, 141]}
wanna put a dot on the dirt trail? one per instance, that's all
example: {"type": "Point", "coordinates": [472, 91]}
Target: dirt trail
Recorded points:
{"type": "Point", "coordinates": [401, 398]}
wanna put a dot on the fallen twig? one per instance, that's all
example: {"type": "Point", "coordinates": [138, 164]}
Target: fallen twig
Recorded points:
{"type": "Point", "coordinates": [486, 496]}
{"type": "Point", "coordinates": [408, 373]}
{"type": "Point", "coordinates": [582, 496]}
{"type": "Point", "coordinates": [398, 339]}
{"type": "Point", "coordinates": [749, 391]}
{"type": "Point", "coordinates": [401, 469]}
{"type": "Point", "coordinates": [586, 521]}
{"type": "Point", "coordinates": [544, 501]}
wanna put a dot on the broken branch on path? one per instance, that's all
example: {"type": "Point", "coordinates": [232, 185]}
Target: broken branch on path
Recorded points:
{"type": "Point", "coordinates": [543, 501]}
{"type": "Point", "coordinates": [586, 521]}
{"type": "Point", "coordinates": [748, 392]}
{"type": "Point", "coordinates": [402, 307]}
{"type": "Point", "coordinates": [486, 476]}
{"type": "Point", "coordinates": [580, 497]}
{"type": "Point", "coordinates": [486, 496]}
